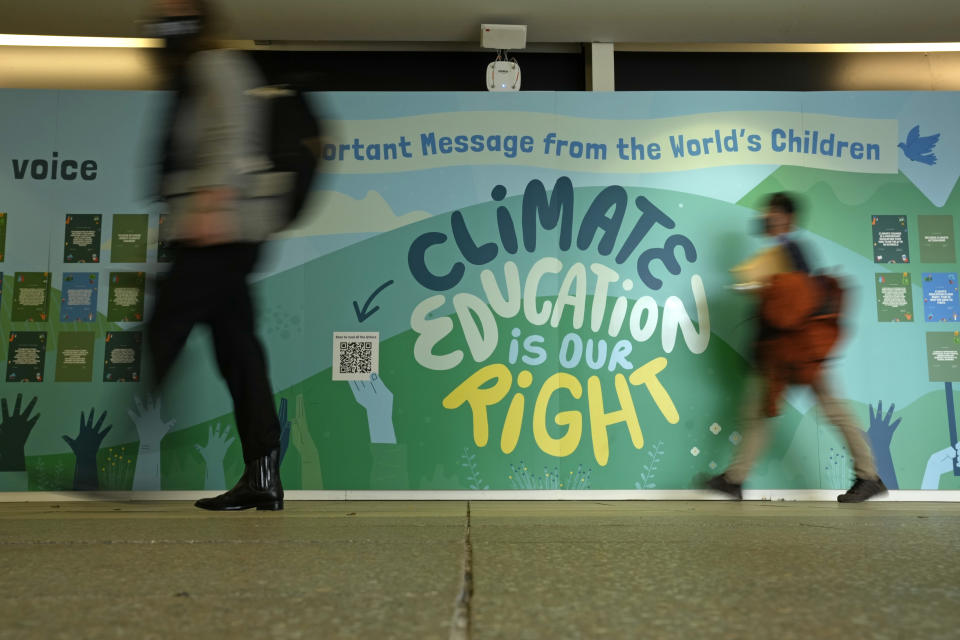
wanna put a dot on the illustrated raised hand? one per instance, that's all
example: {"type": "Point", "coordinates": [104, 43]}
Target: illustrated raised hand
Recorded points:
{"type": "Point", "coordinates": [299, 431]}
{"type": "Point", "coordinates": [374, 396]}
{"type": "Point", "coordinates": [213, 455]}
{"type": "Point", "coordinates": [880, 424]}
{"type": "Point", "coordinates": [939, 463]}
{"type": "Point", "coordinates": [311, 475]}
{"type": "Point", "coordinates": [151, 428]}
{"type": "Point", "coordinates": [284, 428]}
{"type": "Point", "coordinates": [880, 434]}
{"type": "Point", "coordinates": [14, 431]}
{"type": "Point", "coordinates": [85, 447]}
{"type": "Point", "coordinates": [150, 425]}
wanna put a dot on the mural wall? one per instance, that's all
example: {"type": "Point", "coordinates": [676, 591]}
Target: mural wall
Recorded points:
{"type": "Point", "coordinates": [522, 291]}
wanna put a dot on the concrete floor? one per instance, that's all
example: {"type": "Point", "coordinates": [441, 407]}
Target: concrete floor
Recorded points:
{"type": "Point", "coordinates": [540, 570]}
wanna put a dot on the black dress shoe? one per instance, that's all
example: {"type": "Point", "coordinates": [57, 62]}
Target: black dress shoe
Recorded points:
{"type": "Point", "coordinates": [863, 489]}
{"type": "Point", "coordinates": [721, 484]}
{"type": "Point", "coordinates": [259, 488]}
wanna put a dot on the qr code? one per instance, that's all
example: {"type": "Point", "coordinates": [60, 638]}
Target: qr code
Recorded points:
{"type": "Point", "coordinates": [356, 357]}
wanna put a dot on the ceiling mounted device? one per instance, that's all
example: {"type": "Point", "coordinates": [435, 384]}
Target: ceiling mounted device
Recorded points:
{"type": "Point", "coordinates": [503, 74]}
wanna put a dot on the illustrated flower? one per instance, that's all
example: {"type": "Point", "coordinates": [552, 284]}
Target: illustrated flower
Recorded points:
{"type": "Point", "coordinates": [712, 465]}
{"type": "Point", "coordinates": [735, 437]}
{"type": "Point", "coordinates": [715, 428]}
{"type": "Point", "coordinates": [695, 451]}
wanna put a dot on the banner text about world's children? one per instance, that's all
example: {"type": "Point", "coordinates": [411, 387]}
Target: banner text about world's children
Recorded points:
{"type": "Point", "coordinates": [566, 143]}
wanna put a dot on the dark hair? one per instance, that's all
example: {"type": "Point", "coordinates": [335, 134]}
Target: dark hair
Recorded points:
{"type": "Point", "coordinates": [782, 201]}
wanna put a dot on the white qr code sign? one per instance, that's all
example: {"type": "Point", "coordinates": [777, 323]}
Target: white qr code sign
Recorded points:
{"type": "Point", "coordinates": [355, 355]}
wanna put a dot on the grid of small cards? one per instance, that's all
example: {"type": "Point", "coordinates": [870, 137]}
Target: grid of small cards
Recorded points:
{"type": "Point", "coordinates": [940, 289]}
{"type": "Point", "coordinates": [70, 321]}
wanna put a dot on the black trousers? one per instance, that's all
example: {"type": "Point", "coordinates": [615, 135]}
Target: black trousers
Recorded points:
{"type": "Point", "coordinates": [209, 285]}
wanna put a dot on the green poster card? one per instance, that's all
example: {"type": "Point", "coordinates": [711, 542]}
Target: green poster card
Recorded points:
{"type": "Point", "coordinates": [122, 355]}
{"type": "Point", "coordinates": [937, 239]}
{"type": "Point", "coordinates": [26, 353]}
{"type": "Point", "coordinates": [3, 235]}
{"type": "Point", "coordinates": [943, 356]}
{"type": "Point", "coordinates": [890, 242]}
{"type": "Point", "coordinates": [894, 297]}
{"type": "Point", "coordinates": [75, 356]}
{"type": "Point", "coordinates": [125, 302]}
{"type": "Point", "coordinates": [31, 296]}
{"type": "Point", "coordinates": [129, 239]}
{"type": "Point", "coordinates": [81, 238]}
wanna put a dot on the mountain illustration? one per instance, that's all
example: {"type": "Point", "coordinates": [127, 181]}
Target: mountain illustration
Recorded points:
{"type": "Point", "coordinates": [838, 205]}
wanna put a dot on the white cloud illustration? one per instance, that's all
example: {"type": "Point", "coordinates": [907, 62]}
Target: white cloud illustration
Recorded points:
{"type": "Point", "coordinates": [331, 212]}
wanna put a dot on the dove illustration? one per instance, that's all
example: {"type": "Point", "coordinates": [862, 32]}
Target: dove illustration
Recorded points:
{"type": "Point", "coordinates": [920, 149]}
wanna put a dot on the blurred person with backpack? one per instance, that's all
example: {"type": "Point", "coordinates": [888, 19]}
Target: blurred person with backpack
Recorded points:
{"type": "Point", "coordinates": [799, 325]}
{"type": "Point", "coordinates": [225, 195]}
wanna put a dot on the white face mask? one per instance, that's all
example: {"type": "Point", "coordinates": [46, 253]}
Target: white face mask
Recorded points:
{"type": "Point", "coordinates": [177, 32]}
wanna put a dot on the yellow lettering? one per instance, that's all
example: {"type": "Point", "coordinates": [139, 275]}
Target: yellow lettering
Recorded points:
{"type": "Point", "coordinates": [600, 420]}
{"type": "Point", "coordinates": [647, 374]}
{"type": "Point", "coordinates": [514, 421]}
{"type": "Point", "coordinates": [491, 384]}
{"type": "Point", "coordinates": [479, 397]}
{"type": "Point", "coordinates": [568, 443]}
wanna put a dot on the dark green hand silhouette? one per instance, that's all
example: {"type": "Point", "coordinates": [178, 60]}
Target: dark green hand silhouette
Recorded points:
{"type": "Point", "coordinates": [14, 431]}
{"type": "Point", "coordinates": [85, 447]}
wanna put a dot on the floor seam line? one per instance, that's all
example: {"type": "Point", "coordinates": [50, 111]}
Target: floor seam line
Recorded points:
{"type": "Point", "coordinates": [461, 622]}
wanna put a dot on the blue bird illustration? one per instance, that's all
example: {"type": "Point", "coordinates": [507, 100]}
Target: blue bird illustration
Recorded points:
{"type": "Point", "coordinates": [920, 149]}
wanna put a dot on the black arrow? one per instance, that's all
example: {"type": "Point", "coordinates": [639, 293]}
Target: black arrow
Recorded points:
{"type": "Point", "coordinates": [363, 314]}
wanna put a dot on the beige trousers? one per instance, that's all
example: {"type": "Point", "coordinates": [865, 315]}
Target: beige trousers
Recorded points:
{"type": "Point", "coordinates": [756, 431]}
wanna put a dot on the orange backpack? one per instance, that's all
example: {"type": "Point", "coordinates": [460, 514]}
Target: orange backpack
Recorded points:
{"type": "Point", "coordinates": [803, 312]}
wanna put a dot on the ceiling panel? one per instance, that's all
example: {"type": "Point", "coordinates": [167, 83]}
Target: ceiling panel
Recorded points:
{"type": "Point", "coordinates": [549, 21]}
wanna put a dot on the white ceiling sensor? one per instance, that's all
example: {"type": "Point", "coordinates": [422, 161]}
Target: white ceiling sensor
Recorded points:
{"type": "Point", "coordinates": [503, 75]}
{"type": "Point", "coordinates": [508, 37]}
